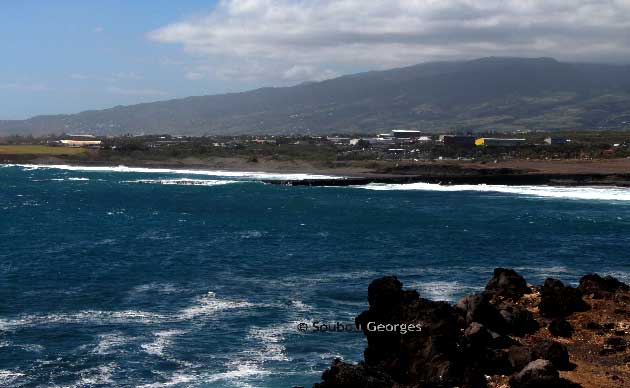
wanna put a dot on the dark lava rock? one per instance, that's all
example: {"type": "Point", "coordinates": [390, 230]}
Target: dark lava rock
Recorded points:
{"type": "Point", "coordinates": [592, 326]}
{"type": "Point", "coordinates": [540, 374]}
{"type": "Point", "coordinates": [518, 319]}
{"type": "Point", "coordinates": [554, 352]}
{"type": "Point", "coordinates": [477, 336]}
{"type": "Point", "coordinates": [519, 357]}
{"type": "Point", "coordinates": [601, 287]}
{"type": "Point", "coordinates": [342, 375]}
{"type": "Point", "coordinates": [613, 345]}
{"type": "Point", "coordinates": [507, 283]}
{"type": "Point", "coordinates": [558, 300]}
{"type": "Point", "coordinates": [477, 308]}
{"type": "Point", "coordinates": [457, 345]}
{"type": "Point", "coordinates": [482, 348]}
{"type": "Point", "coordinates": [432, 356]}
{"type": "Point", "coordinates": [617, 342]}
{"type": "Point", "coordinates": [561, 328]}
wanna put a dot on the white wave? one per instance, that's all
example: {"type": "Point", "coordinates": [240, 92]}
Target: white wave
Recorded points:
{"type": "Point", "coordinates": [163, 339]}
{"type": "Point", "coordinates": [250, 234]}
{"type": "Point", "coordinates": [82, 317]}
{"type": "Point", "coordinates": [442, 290]}
{"type": "Point", "coordinates": [545, 272]}
{"type": "Point", "coordinates": [238, 371]}
{"type": "Point", "coordinates": [235, 376]}
{"type": "Point", "coordinates": [176, 379]}
{"type": "Point", "coordinates": [35, 348]}
{"type": "Point", "coordinates": [8, 377]}
{"type": "Point", "coordinates": [220, 173]}
{"type": "Point", "coordinates": [623, 276]}
{"type": "Point", "coordinates": [63, 179]}
{"type": "Point", "coordinates": [271, 341]}
{"type": "Point", "coordinates": [162, 288]}
{"type": "Point", "coordinates": [109, 343]}
{"type": "Point", "coordinates": [331, 277]}
{"type": "Point", "coordinates": [301, 306]}
{"type": "Point", "coordinates": [183, 182]}
{"type": "Point", "coordinates": [100, 375]}
{"type": "Point", "coordinates": [210, 304]}
{"type": "Point", "coordinates": [207, 304]}
{"type": "Point", "coordinates": [583, 193]}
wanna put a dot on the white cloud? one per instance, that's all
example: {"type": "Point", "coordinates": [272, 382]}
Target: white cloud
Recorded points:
{"type": "Point", "coordinates": [127, 75]}
{"type": "Point", "coordinates": [311, 39]}
{"type": "Point", "coordinates": [120, 76]}
{"type": "Point", "coordinates": [306, 72]}
{"type": "Point", "coordinates": [136, 92]}
{"type": "Point", "coordinates": [195, 75]}
{"type": "Point", "coordinates": [24, 87]}
{"type": "Point", "coordinates": [79, 76]}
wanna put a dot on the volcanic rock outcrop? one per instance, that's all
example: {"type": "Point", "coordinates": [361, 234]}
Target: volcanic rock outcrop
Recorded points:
{"type": "Point", "coordinates": [492, 333]}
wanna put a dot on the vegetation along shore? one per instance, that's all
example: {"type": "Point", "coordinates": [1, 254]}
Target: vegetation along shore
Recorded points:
{"type": "Point", "coordinates": [406, 156]}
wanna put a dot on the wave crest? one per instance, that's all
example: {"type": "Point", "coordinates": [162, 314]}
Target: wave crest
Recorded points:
{"type": "Point", "coordinates": [582, 193]}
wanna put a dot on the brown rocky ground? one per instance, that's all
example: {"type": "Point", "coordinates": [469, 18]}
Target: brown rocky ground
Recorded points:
{"type": "Point", "coordinates": [349, 168]}
{"type": "Point", "coordinates": [597, 365]}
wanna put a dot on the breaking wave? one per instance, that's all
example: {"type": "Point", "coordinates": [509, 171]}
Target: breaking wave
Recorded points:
{"type": "Point", "coordinates": [206, 305]}
{"type": "Point", "coordinates": [581, 193]}
{"type": "Point", "coordinates": [162, 340]}
{"type": "Point", "coordinates": [82, 317]}
{"type": "Point", "coordinates": [217, 173]}
{"type": "Point", "coordinates": [209, 304]}
{"type": "Point", "coordinates": [442, 290]}
{"type": "Point", "coordinates": [184, 181]}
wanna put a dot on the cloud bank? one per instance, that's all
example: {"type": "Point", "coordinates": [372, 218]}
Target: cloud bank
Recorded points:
{"type": "Point", "coordinates": [315, 39]}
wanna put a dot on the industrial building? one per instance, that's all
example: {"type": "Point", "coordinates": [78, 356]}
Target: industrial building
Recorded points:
{"type": "Point", "coordinates": [406, 133]}
{"type": "Point", "coordinates": [457, 140]}
{"type": "Point", "coordinates": [499, 142]}
{"type": "Point", "coordinates": [553, 140]}
{"type": "Point", "coordinates": [80, 143]}
{"type": "Point", "coordinates": [337, 140]}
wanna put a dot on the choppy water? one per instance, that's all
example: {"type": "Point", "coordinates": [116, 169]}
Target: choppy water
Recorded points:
{"type": "Point", "coordinates": [157, 278]}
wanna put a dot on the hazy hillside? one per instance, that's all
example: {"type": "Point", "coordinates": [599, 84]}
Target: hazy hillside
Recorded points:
{"type": "Point", "coordinates": [488, 93]}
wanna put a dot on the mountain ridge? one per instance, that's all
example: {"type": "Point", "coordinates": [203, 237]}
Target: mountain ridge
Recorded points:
{"type": "Point", "coordinates": [492, 93]}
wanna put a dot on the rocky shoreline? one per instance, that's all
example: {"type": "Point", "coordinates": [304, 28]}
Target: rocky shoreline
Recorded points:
{"type": "Point", "coordinates": [613, 173]}
{"type": "Point", "coordinates": [512, 179]}
{"type": "Point", "coordinates": [510, 335]}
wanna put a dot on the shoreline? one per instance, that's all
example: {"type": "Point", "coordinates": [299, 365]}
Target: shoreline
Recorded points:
{"type": "Point", "coordinates": [565, 180]}
{"type": "Point", "coordinates": [513, 173]}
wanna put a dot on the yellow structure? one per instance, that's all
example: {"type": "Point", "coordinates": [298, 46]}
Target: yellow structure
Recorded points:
{"type": "Point", "coordinates": [500, 142]}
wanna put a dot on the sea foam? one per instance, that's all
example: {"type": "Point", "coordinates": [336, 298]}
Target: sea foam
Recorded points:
{"type": "Point", "coordinates": [218, 173]}
{"type": "Point", "coordinates": [210, 304]}
{"type": "Point", "coordinates": [582, 193]}
{"type": "Point", "coordinates": [184, 182]}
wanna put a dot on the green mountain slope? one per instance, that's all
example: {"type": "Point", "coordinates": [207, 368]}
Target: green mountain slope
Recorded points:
{"type": "Point", "coordinates": [482, 94]}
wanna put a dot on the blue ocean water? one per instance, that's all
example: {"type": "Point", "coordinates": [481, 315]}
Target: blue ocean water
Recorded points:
{"type": "Point", "coordinates": [134, 278]}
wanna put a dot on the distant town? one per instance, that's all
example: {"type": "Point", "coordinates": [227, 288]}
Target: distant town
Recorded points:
{"type": "Point", "coordinates": [400, 145]}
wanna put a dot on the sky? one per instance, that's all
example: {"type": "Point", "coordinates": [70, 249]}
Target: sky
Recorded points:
{"type": "Point", "coordinates": [66, 56]}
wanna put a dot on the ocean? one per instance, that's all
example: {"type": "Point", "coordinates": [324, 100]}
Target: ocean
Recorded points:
{"type": "Point", "coordinates": [133, 277]}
